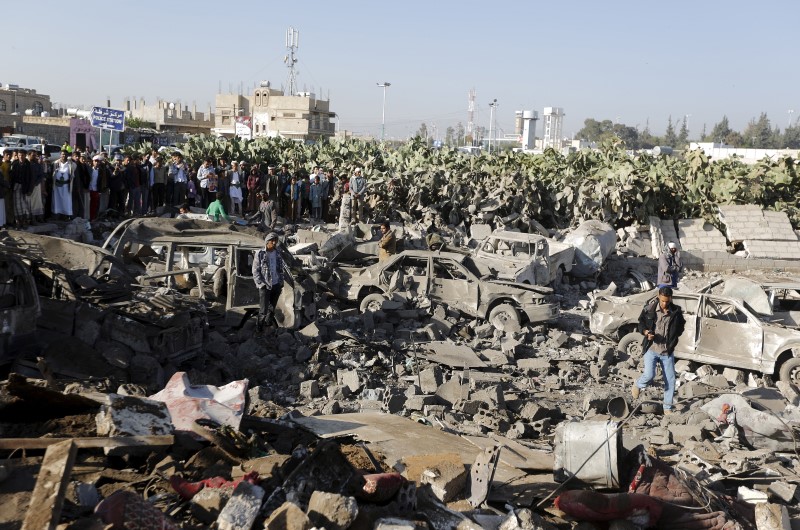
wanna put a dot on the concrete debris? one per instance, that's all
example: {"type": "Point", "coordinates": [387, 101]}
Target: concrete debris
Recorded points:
{"type": "Point", "coordinates": [485, 358]}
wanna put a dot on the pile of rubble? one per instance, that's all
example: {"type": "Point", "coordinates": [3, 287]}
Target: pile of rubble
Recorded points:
{"type": "Point", "coordinates": [151, 406]}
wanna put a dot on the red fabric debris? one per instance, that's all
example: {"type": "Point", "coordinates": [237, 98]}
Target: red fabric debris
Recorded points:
{"type": "Point", "coordinates": [592, 506]}
{"type": "Point", "coordinates": [187, 489]}
{"type": "Point", "coordinates": [380, 487]}
{"type": "Point", "coordinates": [125, 510]}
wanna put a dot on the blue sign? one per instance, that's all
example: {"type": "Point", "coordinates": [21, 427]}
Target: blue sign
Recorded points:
{"type": "Point", "coordinates": [109, 119]}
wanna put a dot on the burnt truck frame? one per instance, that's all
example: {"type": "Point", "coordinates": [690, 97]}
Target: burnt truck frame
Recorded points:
{"type": "Point", "coordinates": [161, 245]}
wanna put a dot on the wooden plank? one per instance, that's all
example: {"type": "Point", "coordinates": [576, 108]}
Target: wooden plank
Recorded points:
{"type": "Point", "coordinates": [100, 441]}
{"type": "Point", "coordinates": [51, 484]}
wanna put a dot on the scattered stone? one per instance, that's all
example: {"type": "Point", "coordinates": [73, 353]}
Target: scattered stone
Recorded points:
{"type": "Point", "coordinates": [331, 510]}
{"type": "Point", "coordinates": [430, 379]}
{"type": "Point", "coordinates": [207, 503]}
{"type": "Point", "coordinates": [338, 392]}
{"type": "Point", "coordinates": [332, 407]}
{"type": "Point", "coordinates": [789, 391]}
{"type": "Point", "coordinates": [772, 517]}
{"type": "Point", "coordinates": [783, 491]}
{"type": "Point", "coordinates": [418, 403]}
{"type": "Point", "coordinates": [288, 516]}
{"type": "Point", "coordinates": [445, 472]}
{"type": "Point", "coordinates": [348, 378]}
{"type": "Point", "coordinates": [241, 510]}
{"type": "Point", "coordinates": [309, 389]}
{"type": "Point", "coordinates": [452, 391]}
{"type": "Point", "coordinates": [734, 376]}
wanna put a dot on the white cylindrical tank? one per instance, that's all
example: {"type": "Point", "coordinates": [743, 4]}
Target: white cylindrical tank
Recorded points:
{"type": "Point", "coordinates": [45, 114]}
{"type": "Point", "coordinates": [84, 113]}
{"type": "Point", "coordinates": [662, 150]}
{"type": "Point", "coordinates": [72, 111]}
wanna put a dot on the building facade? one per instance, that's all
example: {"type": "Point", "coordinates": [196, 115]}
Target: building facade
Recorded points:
{"type": "Point", "coordinates": [299, 117]}
{"type": "Point", "coordinates": [169, 116]}
{"type": "Point", "coordinates": [14, 99]}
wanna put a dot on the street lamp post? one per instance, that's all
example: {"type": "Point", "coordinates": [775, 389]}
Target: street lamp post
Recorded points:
{"type": "Point", "coordinates": [791, 111]}
{"type": "Point", "coordinates": [492, 106]}
{"type": "Point", "coordinates": [384, 86]}
{"type": "Point", "coordinates": [687, 126]}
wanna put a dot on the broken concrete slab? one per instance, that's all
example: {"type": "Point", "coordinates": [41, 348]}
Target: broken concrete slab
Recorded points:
{"type": "Point", "coordinates": [451, 354]}
{"type": "Point", "coordinates": [133, 416]}
{"type": "Point", "coordinates": [444, 472]}
{"type": "Point", "coordinates": [288, 516]}
{"type": "Point", "coordinates": [430, 379]}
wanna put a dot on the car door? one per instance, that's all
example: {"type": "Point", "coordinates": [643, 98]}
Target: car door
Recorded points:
{"type": "Point", "coordinates": [242, 291]}
{"type": "Point", "coordinates": [687, 343]}
{"type": "Point", "coordinates": [453, 285]}
{"type": "Point", "coordinates": [728, 335]}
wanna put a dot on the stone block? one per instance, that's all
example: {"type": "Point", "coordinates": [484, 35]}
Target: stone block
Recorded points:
{"type": "Point", "coordinates": [309, 389]}
{"type": "Point", "coordinates": [146, 371]}
{"type": "Point", "coordinates": [418, 403]}
{"type": "Point", "coordinates": [394, 523]}
{"type": "Point", "coordinates": [241, 510]}
{"type": "Point", "coordinates": [536, 364]}
{"type": "Point", "coordinates": [733, 376]}
{"type": "Point", "coordinates": [682, 365]}
{"type": "Point", "coordinates": [207, 503]}
{"type": "Point", "coordinates": [470, 407]}
{"type": "Point", "coordinates": [682, 433]}
{"type": "Point", "coordinates": [338, 392]}
{"type": "Point", "coordinates": [331, 510]}
{"type": "Point", "coordinates": [718, 381]}
{"type": "Point", "coordinates": [492, 396]}
{"type": "Point", "coordinates": [332, 407]}
{"type": "Point", "coordinates": [694, 389]}
{"type": "Point", "coordinates": [772, 517]}
{"type": "Point", "coordinates": [348, 378]}
{"type": "Point", "coordinates": [288, 516]}
{"type": "Point", "coordinates": [659, 436]}
{"type": "Point", "coordinates": [430, 379]}
{"type": "Point", "coordinates": [789, 391]}
{"type": "Point", "coordinates": [782, 491]}
{"type": "Point", "coordinates": [445, 472]}
{"type": "Point", "coordinates": [532, 412]}
{"type": "Point", "coordinates": [452, 391]}
{"type": "Point", "coordinates": [133, 416]}
{"type": "Point", "coordinates": [393, 402]}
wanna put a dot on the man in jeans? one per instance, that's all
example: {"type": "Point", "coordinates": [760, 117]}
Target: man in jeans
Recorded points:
{"type": "Point", "coordinates": [661, 322]}
{"type": "Point", "coordinates": [268, 275]}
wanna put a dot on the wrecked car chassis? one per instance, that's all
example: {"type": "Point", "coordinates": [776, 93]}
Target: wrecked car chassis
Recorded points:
{"type": "Point", "coordinates": [719, 331]}
{"type": "Point", "coordinates": [445, 277]}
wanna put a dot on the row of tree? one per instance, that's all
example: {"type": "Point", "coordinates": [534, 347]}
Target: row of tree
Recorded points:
{"type": "Point", "coordinates": [759, 133]}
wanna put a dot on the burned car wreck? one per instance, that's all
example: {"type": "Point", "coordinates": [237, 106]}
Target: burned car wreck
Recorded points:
{"type": "Point", "coordinates": [449, 278]}
{"type": "Point", "coordinates": [224, 256]}
{"type": "Point", "coordinates": [719, 331]}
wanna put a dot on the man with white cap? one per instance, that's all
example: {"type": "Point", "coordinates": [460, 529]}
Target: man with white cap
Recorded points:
{"type": "Point", "coordinates": [268, 276]}
{"type": "Point", "coordinates": [669, 266]}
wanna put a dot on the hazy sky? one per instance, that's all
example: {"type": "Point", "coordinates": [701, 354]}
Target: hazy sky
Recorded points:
{"type": "Point", "coordinates": [622, 60]}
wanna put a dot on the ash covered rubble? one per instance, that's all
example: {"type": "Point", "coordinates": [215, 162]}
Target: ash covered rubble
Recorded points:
{"type": "Point", "coordinates": [408, 414]}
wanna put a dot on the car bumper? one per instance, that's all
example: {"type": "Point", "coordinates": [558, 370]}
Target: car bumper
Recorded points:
{"type": "Point", "coordinates": [541, 313]}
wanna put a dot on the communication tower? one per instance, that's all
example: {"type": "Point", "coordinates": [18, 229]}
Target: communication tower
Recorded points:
{"type": "Point", "coordinates": [471, 116]}
{"type": "Point", "coordinates": [292, 43]}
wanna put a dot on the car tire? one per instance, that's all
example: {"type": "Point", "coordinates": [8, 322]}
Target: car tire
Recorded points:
{"type": "Point", "coordinates": [505, 317]}
{"type": "Point", "coordinates": [631, 345]}
{"type": "Point", "coordinates": [790, 371]}
{"type": "Point", "coordinates": [372, 302]}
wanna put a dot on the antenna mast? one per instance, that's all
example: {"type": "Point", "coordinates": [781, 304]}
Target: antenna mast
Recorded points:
{"type": "Point", "coordinates": [471, 115]}
{"type": "Point", "coordinates": [292, 43]}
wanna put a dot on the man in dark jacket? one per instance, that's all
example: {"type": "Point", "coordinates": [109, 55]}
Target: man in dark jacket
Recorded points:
{"type": "Point", "coordinates": [661, 322]}
{"type": "Point", "coordinates": [268, 276]}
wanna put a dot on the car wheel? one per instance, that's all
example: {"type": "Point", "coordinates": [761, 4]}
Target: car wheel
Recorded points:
{"type": "Point", "coordinates": [790, 371]}
{"type": "Point", "coordinates": [372, 302]}
{"type": "Point", "coordinates": [631, 345]}
{"type": "Point", "coordinates": [505, 318]}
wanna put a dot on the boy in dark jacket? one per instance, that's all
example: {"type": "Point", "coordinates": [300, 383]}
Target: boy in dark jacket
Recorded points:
{"type": "Point", "coordinates": [661, 322]}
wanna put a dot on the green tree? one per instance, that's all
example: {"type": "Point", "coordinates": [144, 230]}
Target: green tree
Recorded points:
{"type": "Point", "coordinates": [758, 133]}
{"type": "Point", "coordinates": [669, 136]}
{"type": "Point", "coordinates": [450, 136]}
{"type": "Point", "coordinates": [791, 137]}
{"type": "Point", "coordinates": [627, 134]}
{"type": "Point", "coordinates": [422, 132]}
{"type": "Point", "coordinates": [720, 132]}
{"type": "Point", "coordinates": [460, 134]}
{"type": "Point", "coordinates": [595, 131]}
{"type": "Point", "coordinates": [683, 134]}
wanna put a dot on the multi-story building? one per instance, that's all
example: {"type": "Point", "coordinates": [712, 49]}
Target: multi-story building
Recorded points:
{"type": "Point", "coordinates": [299, 117]}
{"type": "Point", "coordinates": [168, 116]}
{"type": "Point", "coordinates": [14, 99]}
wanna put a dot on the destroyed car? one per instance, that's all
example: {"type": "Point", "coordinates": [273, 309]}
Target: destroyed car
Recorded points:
{"type": "Point", "coordinates": [525, 258]}
{"type": "Point", "coordinates": [76, 283]}
{"type": "Point", "coordinates": [719, 330]}
{"type": "Point", "coordinates": [19, 306]}
{"type": "Point", "coordinates": [448, 278]}
{"type": "Point", "coordinates": [223, 254]}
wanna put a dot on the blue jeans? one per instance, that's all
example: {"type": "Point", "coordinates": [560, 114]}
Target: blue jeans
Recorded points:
{"type": "Point", "coordinates": [667, 363]}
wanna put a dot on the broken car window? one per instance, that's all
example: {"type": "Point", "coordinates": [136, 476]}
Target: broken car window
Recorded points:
{"type": "Point", "coordinates": [446, 269]}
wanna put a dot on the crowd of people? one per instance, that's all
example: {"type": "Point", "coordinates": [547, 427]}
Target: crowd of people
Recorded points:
{"type": "Point", "coordinates": [88, 185]}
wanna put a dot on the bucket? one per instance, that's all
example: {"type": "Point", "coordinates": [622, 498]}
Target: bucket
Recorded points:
{"type": "Point", "coordinates": [618, 407]}
{"type": "Point", "coordinates": [589, 452]}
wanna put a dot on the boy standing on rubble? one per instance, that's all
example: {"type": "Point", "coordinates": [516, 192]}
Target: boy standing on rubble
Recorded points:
{"type": "Point", "coordinates": [268, 276]}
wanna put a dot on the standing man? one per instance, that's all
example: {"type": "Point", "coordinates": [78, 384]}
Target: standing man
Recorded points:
{"type": "Point", "coordinates": [358, 189]}
{"type": "Point", "coordinates": [670, 266]}
{"type": "Point", "coordinates": [267, 214]}
{"type": "Point", "coordinates": [180, 177]}
{"type": "Point", "coordinates": [98, 179]}
{"type": "Point", "coordinates": [203, 174]}
{"type": "Point", "coordinates": [268, 276]}
{"type": "Point", "coordinates": [37, 179]}
{"type": "Point", "coordinates": [235, 189]}
{"type": "Point", "coordinates": [387, 246]}
{"type": "Point", "coordinates": [63, 175]}
{"type": "Point", "coordinates": [661, 322]}
{"type": "Point", "coordinates": [283, 180]}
